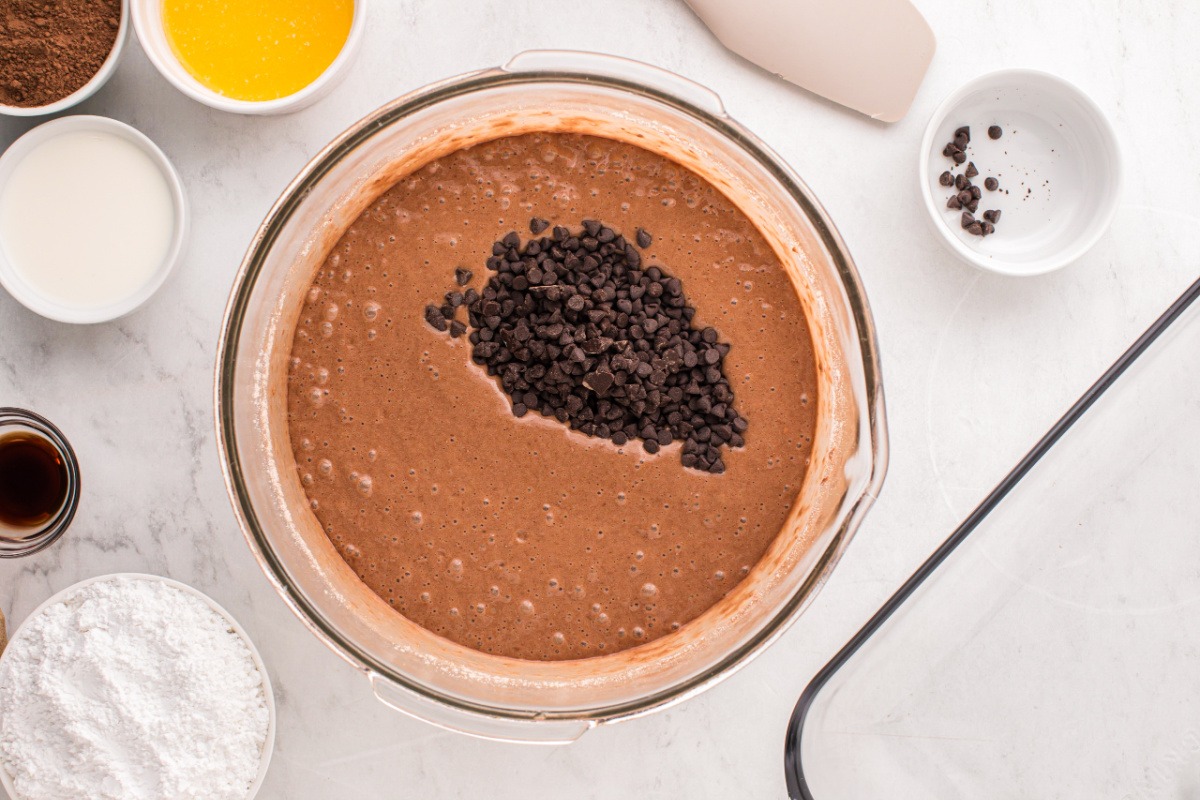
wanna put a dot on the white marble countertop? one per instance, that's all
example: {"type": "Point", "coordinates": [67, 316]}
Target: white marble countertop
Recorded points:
{"type": "Point", "coordinates": [976, 366]}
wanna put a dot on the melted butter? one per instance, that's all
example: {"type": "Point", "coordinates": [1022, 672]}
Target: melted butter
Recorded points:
{"type": "Point", "coordinates": [257, 49]}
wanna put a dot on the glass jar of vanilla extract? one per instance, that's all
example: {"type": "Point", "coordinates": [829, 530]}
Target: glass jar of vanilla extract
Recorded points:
{"type": "Point", "coordinates": [39, 483]}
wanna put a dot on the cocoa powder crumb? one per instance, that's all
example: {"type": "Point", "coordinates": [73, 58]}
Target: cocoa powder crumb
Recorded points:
{"type": "Point", "coordinates": [50, 48]}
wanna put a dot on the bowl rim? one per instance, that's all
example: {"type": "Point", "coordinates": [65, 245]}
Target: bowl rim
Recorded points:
{"type": "Point", "coordinates": [149, 25]}
{"type": "Point", "coordinates": [268, 748]}
{"type": "Point", "coordinates": [874, 439]}
{"type": "Point", "coordinates": [38, 303]}
{"type": "Point", "coordinates": [107, 68]}
{"type": "Point", "coordinates": [1068, 254]}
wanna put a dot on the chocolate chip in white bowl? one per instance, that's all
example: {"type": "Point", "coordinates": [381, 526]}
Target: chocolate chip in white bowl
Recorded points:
{"type": "Point", "coordinates": [1054, 170]}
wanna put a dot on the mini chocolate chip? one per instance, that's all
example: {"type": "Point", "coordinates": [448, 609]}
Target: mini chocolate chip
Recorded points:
{"type": "Point", "coordinates": [954, 203]}
{"type": "Point", "coordinates": [988, 228]}
{"type": "Point", "coordinates": [599, 382]}
{"type": "Point", "coordinates": [976, 229]}
{"type": "Point", "coordinates": [967, 219]}
{"type": "Point", "coordinates": [435, 317]}
{"type": "Point", "coordinates": [960, 157]}
{"type": "Point", "coordinates": [643, 238]}
{"type": "Point", "coordinates": [995, 132]}
{"type": "Point", "coordinates": [457, 328]}
{"type": "Point", "coordinates": [961, 182]}
{"type": "Point", "coordinates": [946, 179]}
{"type": "Point", "coordinates": [537, 225]}
{"type": "Point", "coordinates": [462, 276]}
{"type": "Point", "coordinates": [976, 192]}
{"type": "Point", "coordinates": [964, 131]}
{"type": "Point", "coordinates": [971, 171]}
{"type": "Point", "coordinates": [992, 216]}
{"type": "Point", "coordinates": [991, 184]}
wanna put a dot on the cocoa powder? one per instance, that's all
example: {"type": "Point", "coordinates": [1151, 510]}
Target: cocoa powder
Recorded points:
{"type": "Point", "coordinates": [51, 48]}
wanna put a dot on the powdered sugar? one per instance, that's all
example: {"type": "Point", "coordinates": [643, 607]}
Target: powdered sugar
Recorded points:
{"type": "Point", "coordinates": [131, 688]}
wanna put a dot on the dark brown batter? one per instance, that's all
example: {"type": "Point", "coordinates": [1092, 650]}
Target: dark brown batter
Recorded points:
{"type": "Point", "coordinates": [517, 536]}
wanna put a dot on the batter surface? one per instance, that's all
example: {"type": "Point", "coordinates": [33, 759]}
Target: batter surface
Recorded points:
{"type": "Point", "coordinates": [514, 536]}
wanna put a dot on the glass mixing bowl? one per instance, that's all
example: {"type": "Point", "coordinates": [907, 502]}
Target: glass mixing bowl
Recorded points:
{"type": "Point", "coordinates": [417, 671]}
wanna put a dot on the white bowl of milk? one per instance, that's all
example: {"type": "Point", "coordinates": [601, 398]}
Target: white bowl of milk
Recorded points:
{"type": "Point", "coordinates": [92, 219]}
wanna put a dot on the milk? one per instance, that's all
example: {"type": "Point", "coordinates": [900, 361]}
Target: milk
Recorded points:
{"type": "Point", "coordinates": [86, 219]}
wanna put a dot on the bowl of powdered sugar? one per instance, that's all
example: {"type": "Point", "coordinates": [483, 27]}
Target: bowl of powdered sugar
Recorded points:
{"type": "Point", "coordinates": [133, 687]}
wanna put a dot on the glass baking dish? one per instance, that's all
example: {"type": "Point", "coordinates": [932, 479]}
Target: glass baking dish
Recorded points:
{"type": "Point", "coordinates": [419, 672]}
{"type": "Point", "coordinates": [1051, 646]}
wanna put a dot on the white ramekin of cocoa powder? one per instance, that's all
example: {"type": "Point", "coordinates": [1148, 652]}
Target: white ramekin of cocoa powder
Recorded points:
{"type": "Point", "coordinates": [55, 56]}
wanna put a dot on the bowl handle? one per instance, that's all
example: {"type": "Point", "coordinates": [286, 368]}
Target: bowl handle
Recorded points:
{"type": "Point", "coordinates": [574, 62]}
{"type": "Point", "coordinates": [482, 726]}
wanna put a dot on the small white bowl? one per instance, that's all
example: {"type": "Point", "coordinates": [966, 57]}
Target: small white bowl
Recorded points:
{"type": "Point", "coordinates": [1058, 164]}
{"type": "Point", "coordinates": [88, 89]}
{"type": "Point", "coordinates": [268, 693]}
{"type": "Point", "coordinates": [27, 295]}
{"type": "Point", "coordinates": [147, 20]}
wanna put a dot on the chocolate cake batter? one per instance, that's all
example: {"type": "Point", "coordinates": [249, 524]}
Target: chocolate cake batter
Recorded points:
{"type": "Point", "coordinates": [519, 537]}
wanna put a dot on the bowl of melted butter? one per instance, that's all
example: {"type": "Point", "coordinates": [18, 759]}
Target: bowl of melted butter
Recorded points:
{"type": "Point", "coordinates": [266, 57]}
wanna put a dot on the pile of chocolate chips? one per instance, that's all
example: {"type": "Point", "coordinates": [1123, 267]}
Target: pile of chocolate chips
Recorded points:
{"type": "Point", "coordinates": [577, 329]}
{"type": "Point", "coordinates": [967, 195]}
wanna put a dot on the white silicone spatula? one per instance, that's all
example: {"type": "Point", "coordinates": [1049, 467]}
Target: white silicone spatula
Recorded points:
{"type": "Point", "coordinates": [869, 55]}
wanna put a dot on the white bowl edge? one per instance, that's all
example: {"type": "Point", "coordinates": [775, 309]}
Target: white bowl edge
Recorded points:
{"type": "Point", "coordinates": [936, 210]}
{"type": "Point", "coordinates": [35, 302]}
{"type": "Point", "coordinates": [268, 748]}
{"type": "Point", "coordinates": [88, 89]}
{"type": "Point", "coordinates": [147, 21]}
